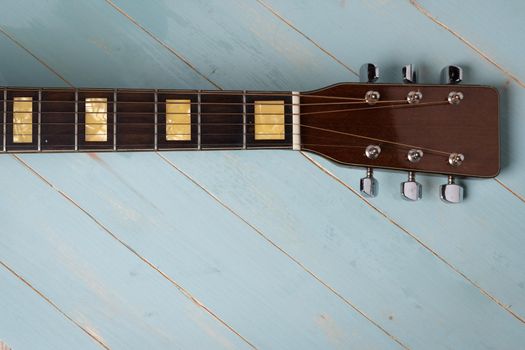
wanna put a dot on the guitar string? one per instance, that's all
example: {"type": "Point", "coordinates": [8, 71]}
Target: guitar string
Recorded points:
{"type": "Point", "coordinates": [190, 146]}
{"type": "Point", "coordinates": [331, 111]}
{"type": "Point", "coordinates": [404, 145]}
{"type": "Point", "coordinates": [109, 93]}
{"type": "Point", "coordinates": [400, 105]}
{"type": "Point", "coordinates": [240, 104]}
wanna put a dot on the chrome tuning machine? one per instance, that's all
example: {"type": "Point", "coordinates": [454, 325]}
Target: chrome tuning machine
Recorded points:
{"type": "Point", "coordinates": [409, 74]}
{"type": "Point", "coordinates": [451, 192]}
{"type": "Point", "coordinates": [451, 75]}
{"type": "Point", "coordinates": [369, 73]}
{"type": "Point", "coordinates": [411, 190]}
{"type": "Point", "coordinates": [368, 184]}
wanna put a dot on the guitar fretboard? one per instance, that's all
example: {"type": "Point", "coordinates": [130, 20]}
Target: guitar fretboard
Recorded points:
{"type": "Point", "coordinates": [40, 120]}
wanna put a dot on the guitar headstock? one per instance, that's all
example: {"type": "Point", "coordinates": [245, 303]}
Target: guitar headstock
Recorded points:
{"type": "Point", "coordinates": [445, 129]}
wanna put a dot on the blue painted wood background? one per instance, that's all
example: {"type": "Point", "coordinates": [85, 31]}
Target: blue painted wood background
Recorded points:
{"type": "Point", "coordinates": [261, 249]}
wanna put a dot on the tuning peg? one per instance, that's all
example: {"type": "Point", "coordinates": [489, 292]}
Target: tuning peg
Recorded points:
{"type": "Point", "coordinates": [451, 75]}
{"type": "Point", "coordinates": [369, 73]}
{"type": "Point", "coordinates": [368, 185]}
{"type": "Point", "coordinates": [411, 189]}
{"type": "Point", "coordinates": [451, 192]}
{"type": "Point", "coordinates": [409, 74]}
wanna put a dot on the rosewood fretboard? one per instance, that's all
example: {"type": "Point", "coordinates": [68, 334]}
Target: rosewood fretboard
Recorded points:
{"type": "Point", "coordinates": [136, 120]}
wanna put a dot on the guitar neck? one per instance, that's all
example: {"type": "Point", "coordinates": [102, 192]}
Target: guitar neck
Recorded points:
{"type": "Point", "coordinates": [444, 129]}
{"type": "Point", "coordinates": [75, 120]}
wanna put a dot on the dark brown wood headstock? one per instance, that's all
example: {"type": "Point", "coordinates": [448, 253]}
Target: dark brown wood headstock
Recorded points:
{"type": "Point", "coordinates": [342, 130]}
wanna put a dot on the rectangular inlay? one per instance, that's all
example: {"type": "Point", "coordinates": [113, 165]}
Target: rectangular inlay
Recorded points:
{"type": "Point", "coordinates": [178, 120]}
{"type": "Point", "coordinates": [269, 120]}
{"type": "Point", "coordinates": [96, 119]}
{"type": "Point", "coordinates": [22, 120]}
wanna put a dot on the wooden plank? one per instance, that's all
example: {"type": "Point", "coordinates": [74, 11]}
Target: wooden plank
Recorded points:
{"type": "Point", "coordinates": [335, 234]}
{"type": "Point", "coordinates": [91, 277]}
{"type": "Point", "coordinates": [492, 28]}
{"type": "Point", "coordinates": [254, 287]}
{"type": "Point", "coordinates": [28, 322]}
{"type": "Point", "coordinates": [109, 51]}
{"type": "Point", "coordinates": [476, 238]}
{"type": "Point", "coordinates": [251, 49]}
{"type": "Point", "coordinates": [19, 68]}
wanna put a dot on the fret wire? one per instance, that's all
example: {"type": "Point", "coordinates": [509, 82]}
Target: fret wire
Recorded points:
{"type": "Point", "coordinates": [39, 137]}
{"type": "Point", "coordinates": [199, 146]}
{"type": "Point", "coordinates": [244, 119]}
{"type": "Point", "coordinates": [5, 121]}
{"type": "Point", "coordinates": [76, 119]}
{"type": "Point", "coordinates": [115, 119]}
{"type": "Point", "coordinates": [156, 98]}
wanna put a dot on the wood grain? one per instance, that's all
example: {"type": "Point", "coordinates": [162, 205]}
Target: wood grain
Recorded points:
{"type": "Point", "coordinates": [247, 282]}
{"type": "Point", "coordinates": [243, 45]}
{"type": "Point", "coordinates": [376, 260]}
{"type": "Point", "coordinates": [342, 132]}
{"type": "Point", "coordinates": [94, 279]}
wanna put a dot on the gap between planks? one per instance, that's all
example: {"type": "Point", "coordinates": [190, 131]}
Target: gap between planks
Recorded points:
{"type": "Point", "coordinates": [464, 40]}
{"type": "Point", "coordinates": [290, 24]}
{"type": "Point", "coordinates": [287, 22]}
{"type": "Point", "coordinates": [162, 43]}
{"type": "Point", "coordinates": [520, 197]}
{"type": "Point", "coordinates": [483, 55]}
{"type": "Point", "coordinates": [288, 255]}
{"type": "Point", "coordinates": [55, 306]}
{"type": "Point", "coordinates": [41, 61]}
{"type": "Point", "coordinates": [417, 239]}
{"type": "Point", "coordinates": [183, 290]}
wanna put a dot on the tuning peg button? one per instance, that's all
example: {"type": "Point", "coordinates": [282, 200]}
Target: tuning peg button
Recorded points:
{"type": "Point", "coordinates": [411, 190]}
{"type": "Point", "coordinates": [368, 185]}
{"type": "Point", "coordinates": [451, 192]}
{"type": "Point", "coordinates": [409, 74]}
{"type": "Point", "coordinates": [451, 75]}
{"type": "Point", "coordinates": [369, 73]}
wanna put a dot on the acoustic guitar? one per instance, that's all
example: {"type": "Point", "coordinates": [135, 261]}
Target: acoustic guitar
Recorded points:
{"type": "Point", "coordinates": [447, 129]}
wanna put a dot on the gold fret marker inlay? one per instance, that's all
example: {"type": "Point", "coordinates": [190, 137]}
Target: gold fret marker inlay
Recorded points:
{"type": "Point", "coordinates": [269, 120]}
{"type": "Point", "coordinates": [22, 120]}
{"type": "Point", "coordinates": [178, 120]}
{"type": "Point", "coordinates": [96, 119]}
